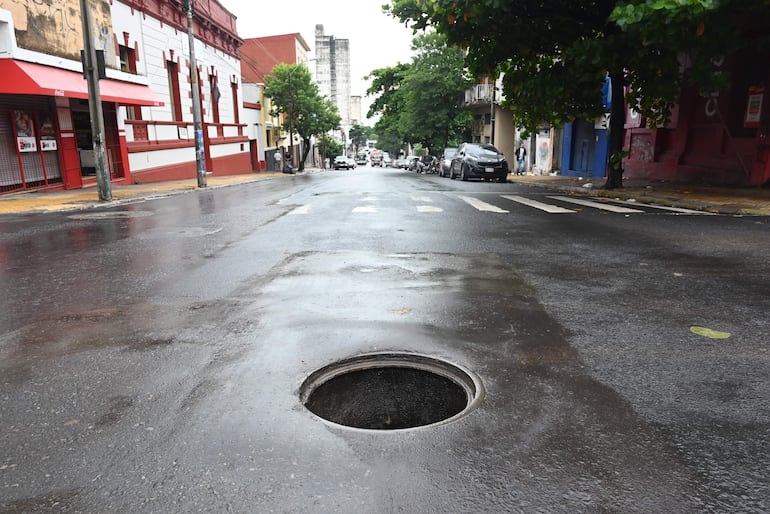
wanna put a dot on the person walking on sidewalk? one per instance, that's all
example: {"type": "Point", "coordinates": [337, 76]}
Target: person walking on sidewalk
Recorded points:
{"type": "Point", "coordinates": [521, 158]}
{"type": "Point", "coordinates": [278, 158]}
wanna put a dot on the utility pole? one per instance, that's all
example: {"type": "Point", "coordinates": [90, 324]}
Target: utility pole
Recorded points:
{"type": "Point", "coordinates": [200, 156]}
{"type": "Point", "coordinates": [492, 113]}
{"type": "Point", "coordinates": [91, 72]}
{"type": "Point", "coordinates": [291, 120]}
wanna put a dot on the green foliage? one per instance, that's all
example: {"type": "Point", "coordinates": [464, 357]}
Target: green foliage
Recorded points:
{"type": "Point", "coordinates": [555, 53]}
{"type": "Point", "coordinates": [312, 114]}
{"type": "Point", "coordinates": [294, 94]}
{"type": "Point", "coordinates": [391, 143]}
{"type": "Point", "coordinates": [359, 134]}
{"type": "Point", "coordinates": [328, 147]}
{"type": "Point", "coordinates": [419, 102]}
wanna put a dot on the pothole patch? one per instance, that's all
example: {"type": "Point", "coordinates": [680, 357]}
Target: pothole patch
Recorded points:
{"type": "Point", "coordinates": [391, 391]}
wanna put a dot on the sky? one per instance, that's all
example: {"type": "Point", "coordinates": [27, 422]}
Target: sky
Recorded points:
{"type": "Point", "coordinates": [376, 39]}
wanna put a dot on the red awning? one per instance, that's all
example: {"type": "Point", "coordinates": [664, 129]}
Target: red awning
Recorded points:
{"type": "Point", "coordinates": [26, 78]}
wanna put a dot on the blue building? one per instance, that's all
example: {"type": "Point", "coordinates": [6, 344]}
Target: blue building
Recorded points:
{"type": "Point", "coordinates": [585, 144]}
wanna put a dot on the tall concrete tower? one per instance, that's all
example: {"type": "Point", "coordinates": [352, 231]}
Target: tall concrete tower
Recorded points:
{"type": "Point", "coordinates": [333, 72]}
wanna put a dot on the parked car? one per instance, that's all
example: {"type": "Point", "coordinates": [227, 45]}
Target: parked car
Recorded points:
{"type": "Point", "coordinates": [402, 163]}
{"type": "Point", "coordinates": [446, 161]}
{"type": "Point", "coordinates": [387, 161]}
{"type": "Point", "coordinates": [343, 162]}
{"type": "Point", "coordinates": [475, 160]}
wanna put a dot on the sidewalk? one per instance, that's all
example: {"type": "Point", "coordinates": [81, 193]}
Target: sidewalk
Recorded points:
{"type": "Point", "coordinates": [717, 199]}
{"type": "Point", "coordinates": [725, 200]}
{"type": "Point", "coordinates": [80, 199]}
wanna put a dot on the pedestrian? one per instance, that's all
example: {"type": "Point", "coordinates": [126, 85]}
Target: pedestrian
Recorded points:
{"type": "Point", "coordinates": [278, 157]}
{"type": "Point", "coordinates": [521, 160]}
{"type": "Point", "coordinates": [289, 161]}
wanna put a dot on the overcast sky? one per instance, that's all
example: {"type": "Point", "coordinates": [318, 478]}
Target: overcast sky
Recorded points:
{"type": "Point", "coordinates": [376, 39]}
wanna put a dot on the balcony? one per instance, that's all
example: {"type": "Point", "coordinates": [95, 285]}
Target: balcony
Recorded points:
{"type": "Point", "coordinates": [478, 94]}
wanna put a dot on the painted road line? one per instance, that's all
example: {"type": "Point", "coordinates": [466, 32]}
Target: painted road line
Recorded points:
{"type": "Point", "coordinates": [426, 199]}
{"type": "Point", "coordinates": [482, 206]}
{"type": "Point", "coordinates": [304, 209]}
{"type": "Point", "coordinates": [596, 205]}
{"type": "Point", "coordinates": [554, 209]}
{"type": "Point", "coordinates": [429, 208]}
{"type": "Point", "coordinates": [668, 208]}
{"type": "Point", "coordinates": [365, 208]}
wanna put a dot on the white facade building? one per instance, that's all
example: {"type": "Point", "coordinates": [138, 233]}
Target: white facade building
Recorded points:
{"type": "Point", "coordinates": [333, 74]}
{"type": "Point", "coordinates": [146, 95]}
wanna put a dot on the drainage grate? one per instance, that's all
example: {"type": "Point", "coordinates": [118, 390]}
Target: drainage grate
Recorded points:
{"type": "Point", "coordinates": [391, 391]}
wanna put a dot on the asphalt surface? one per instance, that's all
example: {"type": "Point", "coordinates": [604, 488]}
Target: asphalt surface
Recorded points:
{"type": "Point", "coordinates": [153, 352]}
{"type": "Point", "coordinates": [724, 200]}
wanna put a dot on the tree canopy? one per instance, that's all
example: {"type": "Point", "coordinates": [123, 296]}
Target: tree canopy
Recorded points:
{"type": "Point", "coordinates": [295, 95]}
{"type": "Point", "coordinates": [555, 54]}
{"type": "Point", "coordinates": [418, 102]}
{"type": "Point", "coordinates": [359, 135]}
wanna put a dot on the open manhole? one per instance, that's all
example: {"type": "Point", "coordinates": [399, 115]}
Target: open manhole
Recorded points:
{"type": "Point", "coordinates": [391, 391]}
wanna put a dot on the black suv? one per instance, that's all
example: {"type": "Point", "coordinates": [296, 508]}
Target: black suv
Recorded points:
{"type": "Point", "coordinates": [479, 160]}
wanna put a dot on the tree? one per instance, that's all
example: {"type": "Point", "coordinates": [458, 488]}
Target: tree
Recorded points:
{"type": "Point", "coordinates": [329, 148]}
{"type": "Point", "coordinates": [418, 103]}
{"type": "Point", "coordinates": [432, 88]}
{"type": "Point", "coordinates": [391, 143]}
{"type": "Point", "coordinates": [555, 55]}
{"type": "Point", "coordinates": [294, 94]}
{"type": "Point", "coordinates": [359, 134]}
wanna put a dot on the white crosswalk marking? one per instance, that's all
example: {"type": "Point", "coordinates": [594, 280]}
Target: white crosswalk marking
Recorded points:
{"type": "Point", "coordinates": [482, 206]}
{"type": "Point", "coordinates": [365, 208]}
{"type": "Point", "coordinates": [303, 209]}
{"type": "Point", "coordinates": [596, 205]}
{"type": "Point", "coordinates": [554, 209]}
{"type": "Point", "coordinates": [429, 208]}
{"type": "Point", "coordinates": [667, 208]}
{"type": "Point", "coordinates": [425, 199]}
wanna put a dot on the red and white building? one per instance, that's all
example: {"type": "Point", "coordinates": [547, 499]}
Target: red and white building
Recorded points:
{"type": "Point", "coordinates": [45, 127]}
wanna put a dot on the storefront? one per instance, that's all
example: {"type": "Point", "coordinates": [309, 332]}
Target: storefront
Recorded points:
{"type": "Point", "coordinates": [45, 126]}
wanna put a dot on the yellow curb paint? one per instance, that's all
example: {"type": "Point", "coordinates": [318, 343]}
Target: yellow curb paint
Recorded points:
{"type": "Point", "coordinates": [711, 334]}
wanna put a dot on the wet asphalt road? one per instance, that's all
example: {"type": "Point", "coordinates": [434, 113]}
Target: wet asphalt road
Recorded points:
{"type": "Point", "coordinates": [151, 357]}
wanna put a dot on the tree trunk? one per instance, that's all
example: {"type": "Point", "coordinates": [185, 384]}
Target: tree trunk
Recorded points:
{"type": "Point", "coordinates": [616, 131]}
{"type": "Point", "coordinates": [305, 151]}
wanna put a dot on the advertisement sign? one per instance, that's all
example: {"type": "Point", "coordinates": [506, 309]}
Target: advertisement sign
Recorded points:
{"type": "Point", "coordinates": [754, 106]}
{"type": "Point", "coordinates": [25, 131]}
{"type": "Point", "coordinates": [47, 132]}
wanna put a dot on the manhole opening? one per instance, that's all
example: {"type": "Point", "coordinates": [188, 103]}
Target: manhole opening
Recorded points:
{"type": "Point", "coordinates": [391, 391]}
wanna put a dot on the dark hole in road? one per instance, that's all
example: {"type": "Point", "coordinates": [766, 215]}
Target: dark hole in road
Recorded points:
{"type": "Point", "coordinates": [391, 391]}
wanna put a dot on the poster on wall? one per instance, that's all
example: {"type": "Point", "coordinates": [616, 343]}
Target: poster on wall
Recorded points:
{"type": "Point", "coordinates": [543, 155]}
{"type": "Point", "coordinates": [754, 107]}
{"type": "Point", "coordinates": [25, 131]}
{"type": "Point", "coordinates": [47, 132]}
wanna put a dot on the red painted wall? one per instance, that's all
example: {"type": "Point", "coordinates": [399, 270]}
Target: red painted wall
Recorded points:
{"type": "Point", "coordinates": [708, 139]}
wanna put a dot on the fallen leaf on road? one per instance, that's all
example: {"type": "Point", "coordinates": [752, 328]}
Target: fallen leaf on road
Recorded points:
{"type": "Point", "coordinates": [711, 334]}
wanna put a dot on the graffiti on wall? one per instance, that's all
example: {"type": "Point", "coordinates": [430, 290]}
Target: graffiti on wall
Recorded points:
{"type": "Point", "coordinates": [55, 26]}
